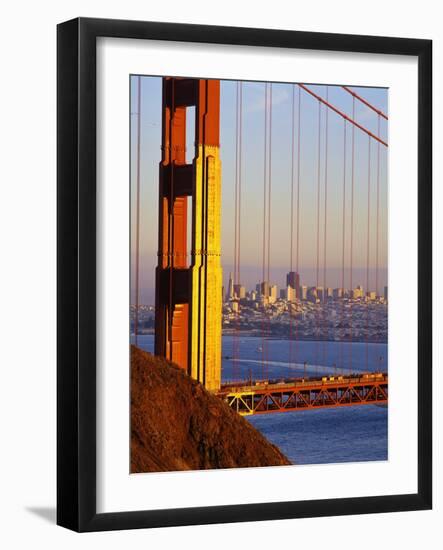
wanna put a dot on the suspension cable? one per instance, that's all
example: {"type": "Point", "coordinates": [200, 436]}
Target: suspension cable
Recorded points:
{"type": "Point", "coordinates": [325, 232]}
{"type": "Point", "coordinates": [137, 215]}
{"type": "Point", "coordinates": [377, 216]}
{"type": "Point", "coordinates": [351, 289]}
{"type": "Point", "coordinates": [365, 102]}
{"type": "Point", "coordinates": [318, 232]}
{"type": "Point", "coordinates": [377, 222]}
{"type": "Point", "coordinates": [262, 290]}
{"type": "Point", "coordinates": [343, 243]}
{"type": "Point", "coordinates": [291, 230]}
{"type": "Point", "coordinates": [345, 116]}
{"type": "Point", "coordinates": [240, 165]}
{"type": "Point", "coordinates": [269, 224]}
{"type": "Point", "coordinates": [368, 255]}
{"type": "Point", "coordinates": [236, 185]}
{"type": "Point", "coordinates": [240, 123]}
{"type": "Point", "coordinates": [297, 249]}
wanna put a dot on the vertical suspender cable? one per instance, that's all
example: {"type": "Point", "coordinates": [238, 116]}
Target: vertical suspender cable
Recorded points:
{"type": "Point", "coordinates": [325, 232]}
{"type": "Point", "coordinates": [351, 290]}
{"type": "Point", "coordinates": [291, 229]}
{"type": "Point", "coordinates": [240, 139]}
{"type": "Point", "coordinates": [269, 185]}
{"type": "Point", "coordinates": [368, 238]}
{"type": "Point", "coordinates": [240, 145]}
{"type": "Point", "coordinates": [269, 221]}
{"type": "Point", "coordinates": [137, 215]}
{"type": "Point", "coordinates": [240, 127]}
{"type": "Point", "coordinates": [297, 241]}
{"type": "Point", "coordinates": [237, 225]}
{"type": "Point", "coordinates": [343, 243]}
{"type": "Point", "coordinates": [235, 336]}
{"type": "Point", "coordinates": [264, 225]}
{"type": "Point", "coordinates": [318, 232]}
{"type": "Point", "coordinates": [377, 222]}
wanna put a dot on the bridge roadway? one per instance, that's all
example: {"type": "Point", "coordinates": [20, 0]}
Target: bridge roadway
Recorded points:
{"type": "Point", "coordinates": [263, 397]}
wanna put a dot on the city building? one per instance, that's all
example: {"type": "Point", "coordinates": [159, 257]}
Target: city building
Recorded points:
{"type": "Point", "coordinates": [293, 281]}
{"type": "Point", "coordinates": [385, 293]}
{"type": "Point", "coordinates": [312, 295]}
{"type": "Point", "coordinates": [304, 292]}
{"type": "Point", "coordinates": [240, 291]}
{"type": "Point", "coordinates": [288, 294]}
{"type": "Point", "coordinates": [273, 293]}
{"type": "Point", "coordinates": [264, 288]}
{"type": "Point", "coordinates": [338, 293]}
{"type": "Point", "coordinates": [357, 292]}
{"type": "Point", "coordinates": [230, 294]}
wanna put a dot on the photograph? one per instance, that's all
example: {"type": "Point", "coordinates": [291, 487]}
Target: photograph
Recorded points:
{"type": "Point", "coordinates": [258, 322]}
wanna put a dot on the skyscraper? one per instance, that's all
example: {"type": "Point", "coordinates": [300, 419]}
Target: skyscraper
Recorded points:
{"type": "Point", "coordinates": [293, 280]}
{"type": "Point", "coordinates": [230, 294]}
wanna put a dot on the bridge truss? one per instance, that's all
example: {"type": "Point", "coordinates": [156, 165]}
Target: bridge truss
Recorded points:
{"type": "Point", "coordinates": [301, 394]}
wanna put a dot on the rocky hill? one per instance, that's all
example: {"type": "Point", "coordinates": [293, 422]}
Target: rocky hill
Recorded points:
{"type": "Point", "coordinates": [177, 425]}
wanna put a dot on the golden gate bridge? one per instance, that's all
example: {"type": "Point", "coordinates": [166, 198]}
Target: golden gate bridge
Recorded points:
{"type": "Point", "coordinates": [188, 307]}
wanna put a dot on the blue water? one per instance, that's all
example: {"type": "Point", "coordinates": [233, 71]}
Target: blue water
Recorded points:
{"type": "Point", "coordinates": [286, 359]}
{"type": "Point", "coordinates": [348, 434]}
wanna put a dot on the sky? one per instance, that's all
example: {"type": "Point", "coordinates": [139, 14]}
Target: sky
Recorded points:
{"type": "Point", "coordinates": [332, 174]}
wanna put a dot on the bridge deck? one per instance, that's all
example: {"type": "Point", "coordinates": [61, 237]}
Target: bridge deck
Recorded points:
{"type": "Point", "coordinates": [260, 397]}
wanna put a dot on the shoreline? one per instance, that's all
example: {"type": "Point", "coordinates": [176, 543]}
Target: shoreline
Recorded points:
{"type": "Point", "coordinates": [249, 334]}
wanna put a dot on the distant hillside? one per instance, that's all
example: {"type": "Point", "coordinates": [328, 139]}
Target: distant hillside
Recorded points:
{"type": "Point", "coordinates": [177, 425]}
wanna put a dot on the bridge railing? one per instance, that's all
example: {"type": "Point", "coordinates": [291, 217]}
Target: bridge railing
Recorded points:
{"type": "Point", "coordinates": [261, 385]}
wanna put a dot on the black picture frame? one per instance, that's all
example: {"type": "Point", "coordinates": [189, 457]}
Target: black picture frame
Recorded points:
{"type": "Point", "coordinates": [76, 279]}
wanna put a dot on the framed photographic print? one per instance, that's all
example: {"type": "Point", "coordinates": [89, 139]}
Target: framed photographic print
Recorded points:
{"type": "Point", "coordinates": [244, 274]}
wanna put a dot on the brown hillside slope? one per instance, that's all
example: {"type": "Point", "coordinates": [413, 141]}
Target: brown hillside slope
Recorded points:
{"type": "Point", "coordinates": [177, 425]}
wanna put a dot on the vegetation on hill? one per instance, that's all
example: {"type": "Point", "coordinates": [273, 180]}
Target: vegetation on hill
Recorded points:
{"type": "Point", "coordinates": [176, 424]}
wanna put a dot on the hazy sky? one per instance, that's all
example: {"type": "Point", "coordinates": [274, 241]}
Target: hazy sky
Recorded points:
{"type": "Point", "coordinates": [252, 182]}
